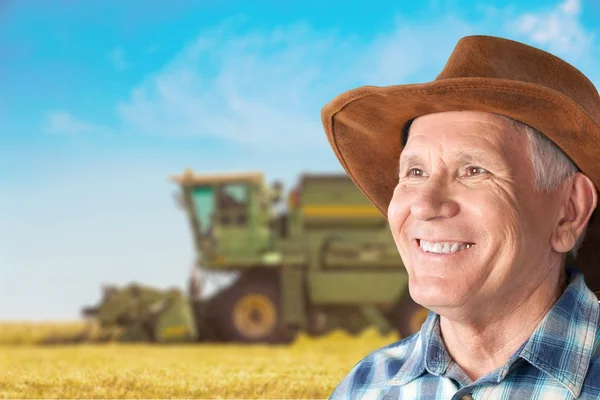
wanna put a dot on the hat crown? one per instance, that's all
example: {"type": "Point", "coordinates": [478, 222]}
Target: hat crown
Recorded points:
{"type": "Point", "coordinates": [494, 57]}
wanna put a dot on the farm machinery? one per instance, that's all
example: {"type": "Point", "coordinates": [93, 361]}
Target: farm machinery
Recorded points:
{"type": "Point", "coordinates": [264, 273]}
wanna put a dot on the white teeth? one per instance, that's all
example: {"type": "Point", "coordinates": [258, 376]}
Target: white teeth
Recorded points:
{"type": "Point", "coordinates": [443, 247]}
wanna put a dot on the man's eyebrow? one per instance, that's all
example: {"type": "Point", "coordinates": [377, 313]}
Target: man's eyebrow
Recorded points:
{"type": "Point", "coordinates": [461, 157]}
{"type": "Point", "coordinates": [409, 159]}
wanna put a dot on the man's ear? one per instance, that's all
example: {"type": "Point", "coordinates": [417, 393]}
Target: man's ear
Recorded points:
{"type": "Point", "coordinates": [581, 202]}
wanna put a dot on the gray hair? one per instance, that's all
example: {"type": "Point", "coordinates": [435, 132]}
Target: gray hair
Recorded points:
{"type": "Point", "coordinates": [551, 166]}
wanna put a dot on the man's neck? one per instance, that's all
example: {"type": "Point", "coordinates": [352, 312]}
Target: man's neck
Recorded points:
{"type": "Point", "coordinates": [481, 347]}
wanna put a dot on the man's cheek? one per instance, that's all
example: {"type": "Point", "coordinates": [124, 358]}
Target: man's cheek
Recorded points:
{"type": "Point", "coordinates": [395, 220]}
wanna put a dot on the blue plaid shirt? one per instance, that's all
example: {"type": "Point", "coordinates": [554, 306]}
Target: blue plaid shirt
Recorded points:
{"type": "Point", "coordinates": [561, 360]}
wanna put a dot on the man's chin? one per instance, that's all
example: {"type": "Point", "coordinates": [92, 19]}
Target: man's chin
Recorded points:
{"type": "Point", "coordinates": [435, 305]}
{"type": "Point", "coordinates": [433, 296]}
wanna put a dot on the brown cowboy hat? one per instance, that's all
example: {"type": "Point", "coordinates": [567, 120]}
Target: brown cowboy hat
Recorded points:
{"type": "Point", "coordinates": [484, 73]}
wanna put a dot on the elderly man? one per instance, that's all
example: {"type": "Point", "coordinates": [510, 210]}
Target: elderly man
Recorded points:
{"type": "Point", "coordinates": [488, 176]}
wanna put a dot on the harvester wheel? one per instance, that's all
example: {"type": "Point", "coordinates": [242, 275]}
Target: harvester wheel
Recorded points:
{"type": "Point", "coordinates": [249, 311]}
{"type": "Point", "coordinates": [409, 316]}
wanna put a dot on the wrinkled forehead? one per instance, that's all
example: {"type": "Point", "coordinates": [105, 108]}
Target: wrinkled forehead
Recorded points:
{"type": "Point", "coordinates": [470, 117]}
{"type": "Point", "coordinates": [470, 135]}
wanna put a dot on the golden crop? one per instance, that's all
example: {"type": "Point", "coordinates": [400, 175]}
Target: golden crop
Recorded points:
{"type": "Point", "coordinates": [310, 368]}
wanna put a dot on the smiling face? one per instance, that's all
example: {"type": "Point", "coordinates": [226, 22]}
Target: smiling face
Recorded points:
{"type": "Point", "coordinates": [467, 222]}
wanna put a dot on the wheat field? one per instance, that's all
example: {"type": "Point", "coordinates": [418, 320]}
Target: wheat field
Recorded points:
{"type": "Point", "coordinates": [308, 369]}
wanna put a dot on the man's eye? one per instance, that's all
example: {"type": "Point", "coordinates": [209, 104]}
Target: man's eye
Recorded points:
{"type": "Point", "coordinates": [415, 172]}
{"type": "Point", "coordinates": [476, 170]}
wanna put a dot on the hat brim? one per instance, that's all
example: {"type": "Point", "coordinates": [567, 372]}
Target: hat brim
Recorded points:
{"type": "Point", "coordinates": [364, 127]}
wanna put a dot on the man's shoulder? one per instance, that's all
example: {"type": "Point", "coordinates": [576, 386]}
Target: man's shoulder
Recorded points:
{"type": "Point", "coordinates": [378, 367]}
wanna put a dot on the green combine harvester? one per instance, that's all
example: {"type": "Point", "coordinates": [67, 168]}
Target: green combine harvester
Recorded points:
{"type": "Point", "coordinates": [327, 261]}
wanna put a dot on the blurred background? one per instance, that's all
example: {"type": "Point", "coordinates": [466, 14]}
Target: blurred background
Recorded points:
{"type": "Point", "coordinates": [100, 102]}
{"type": "Point", "coordinates": [152, 150]}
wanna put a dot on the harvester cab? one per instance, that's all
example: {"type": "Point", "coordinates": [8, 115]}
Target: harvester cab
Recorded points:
{"type": "Point", "coordinates": [229, 214]}
{"type": "Point", "coordinates": [231, 217]}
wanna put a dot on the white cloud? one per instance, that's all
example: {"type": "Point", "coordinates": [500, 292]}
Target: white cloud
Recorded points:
{"type": "Point", "coordinates": [117, 58]}
{"type": "Point", "coordinates": [558, 29]}
{"type": "Point", "coordinates": [267, 88]}
{"type": "Point", "coordinates": [61, 122]}
{"type": "Point", "coordinates": [572, 7]}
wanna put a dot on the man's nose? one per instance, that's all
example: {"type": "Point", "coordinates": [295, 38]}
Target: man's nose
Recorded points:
{"type": "Point", "coordinates": [434, 201]}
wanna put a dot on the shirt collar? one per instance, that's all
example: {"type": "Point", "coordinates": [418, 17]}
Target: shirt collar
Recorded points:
{"type": "Point", "coordinates": [423, 350]}
{"type": "Point", "coordinates": [569, 328]}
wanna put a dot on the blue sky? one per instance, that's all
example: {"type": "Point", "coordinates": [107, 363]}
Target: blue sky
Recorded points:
{"type": "Point", "coordinates": [102, 101]}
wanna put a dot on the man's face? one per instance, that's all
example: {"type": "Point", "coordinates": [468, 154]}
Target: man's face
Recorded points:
{"type": "Point", "coordinates": [465, 178]}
